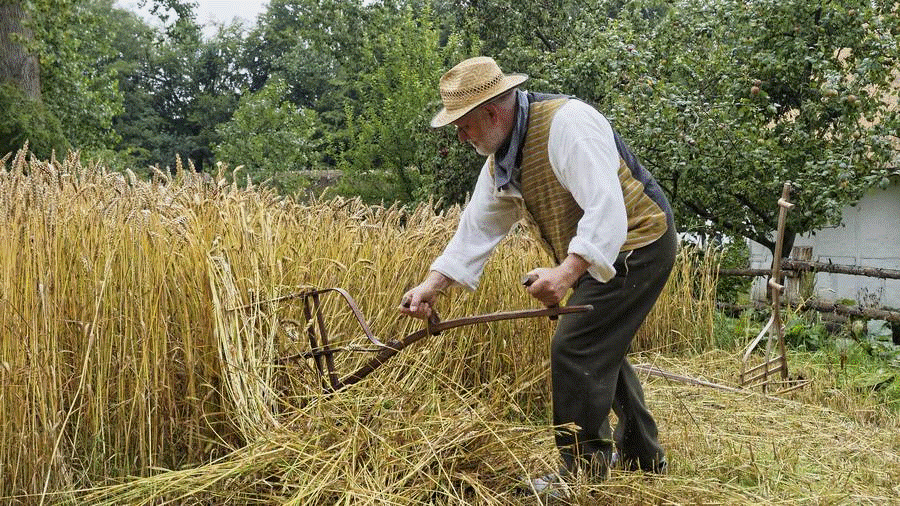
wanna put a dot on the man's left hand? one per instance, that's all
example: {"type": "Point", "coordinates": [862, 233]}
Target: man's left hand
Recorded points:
{"type": "Point", "coordinates": [550, 287]}
{"type": "Point", "coordinates": [553, 283]}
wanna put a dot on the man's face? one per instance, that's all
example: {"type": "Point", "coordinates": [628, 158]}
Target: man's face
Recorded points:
{"type": "Point", "coordinates": [480, 128]}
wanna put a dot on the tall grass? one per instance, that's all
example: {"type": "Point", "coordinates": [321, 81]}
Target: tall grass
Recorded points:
{"type": "Point", "coordinates": [142, 320]}
{"type": "Point", "coordinates": [122, 353]}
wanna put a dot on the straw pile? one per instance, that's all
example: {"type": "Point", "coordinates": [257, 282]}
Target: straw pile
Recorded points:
{"type": "Point", "coordinates": [142, 326]}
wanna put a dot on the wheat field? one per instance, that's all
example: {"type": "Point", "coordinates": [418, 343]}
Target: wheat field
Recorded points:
{"type": "Point", "coordinates": [143, 324]}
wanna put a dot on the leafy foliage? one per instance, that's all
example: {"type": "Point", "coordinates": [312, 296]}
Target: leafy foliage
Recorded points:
{"type": "Point", "coordinates": [733, 254]}
{"type": "Point", "coordinates": [181, 90]}
{"type": "Point", "coordinates": [388, 137]}
{"type": "Point", "coordinates": [723, 100]}
{"type": "Point", "coordinates": [805, 332]}
{"type": "Point", "coordinates": [270, 136]}
{"type": "Point", "coordinates": [78, 81]}
{"type": "Point", "coordinates": [877, 338]}
{"type": "Point", "coordinates": [27, 121]}
{"type": "Point", "coordinates": [727, 100]}
{"type": "Point", "coordinates": [315, 46]}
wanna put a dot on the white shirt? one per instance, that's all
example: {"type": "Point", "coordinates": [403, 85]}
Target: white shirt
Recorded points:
{"type": "Point", "coordinates": [584, 158]}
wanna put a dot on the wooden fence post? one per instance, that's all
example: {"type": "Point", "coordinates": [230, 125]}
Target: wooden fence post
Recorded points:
{"type": "Point", "coordinates": [799, 283]}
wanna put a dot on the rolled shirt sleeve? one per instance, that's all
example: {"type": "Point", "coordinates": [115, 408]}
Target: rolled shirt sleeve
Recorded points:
{"type": "Point", "coordinates": [484, 222]}
{"type": "Point", "coordinates": [584, 158]}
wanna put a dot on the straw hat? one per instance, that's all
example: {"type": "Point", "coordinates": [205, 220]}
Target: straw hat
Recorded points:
{"type": "Point", "coordinates": [469, 84]}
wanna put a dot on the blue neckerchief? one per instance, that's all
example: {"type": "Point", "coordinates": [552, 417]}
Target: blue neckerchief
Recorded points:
{"type": "Point", "coordinates": [508, 157]}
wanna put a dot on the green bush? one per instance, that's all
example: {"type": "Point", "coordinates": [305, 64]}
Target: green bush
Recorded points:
{"type": "Point", "coordinates": [28, 121]}
{"type": "Point", "coordinates": [735, 254]}
{"type": "Point", "coordinates": [805, 332]}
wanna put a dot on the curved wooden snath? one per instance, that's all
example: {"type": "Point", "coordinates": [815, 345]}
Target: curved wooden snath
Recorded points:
{"type": "Point", "coordinates": [321, 352]}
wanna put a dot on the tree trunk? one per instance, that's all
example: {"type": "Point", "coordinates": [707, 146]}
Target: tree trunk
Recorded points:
{"type": "Point", "coordinates": [17, 66]}
{"type": "Point", "coordinates": [787, 243]}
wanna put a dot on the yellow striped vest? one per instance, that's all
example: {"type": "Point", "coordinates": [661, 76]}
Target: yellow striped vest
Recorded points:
{"type": "Point", "coordinates": [552, 211]}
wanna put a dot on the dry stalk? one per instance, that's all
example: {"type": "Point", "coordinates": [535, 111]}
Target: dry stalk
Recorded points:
{"type": "Point", "coordinates": [125, 379]}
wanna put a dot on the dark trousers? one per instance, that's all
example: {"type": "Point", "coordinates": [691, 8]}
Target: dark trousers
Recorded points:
{"type": "Point", "coordinates": [589, 369]}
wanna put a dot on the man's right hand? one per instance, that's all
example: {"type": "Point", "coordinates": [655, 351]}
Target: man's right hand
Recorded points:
{"type": "Point", "coordinates": [418, 301]}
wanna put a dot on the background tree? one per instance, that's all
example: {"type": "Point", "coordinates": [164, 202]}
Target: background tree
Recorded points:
{"type": "Point", "coordinates": [314, 45]}
{"type": "Point", "coordinates": [723, 100]}
{"type": "Point", "coordinates": [141, 127]}
{"type": "Point", "coordinates": [388, 138]}
{"type": "Point", "coordinates": [25, 118]}
{"type": "Point", "coordinates": [18, 65]}
{"type": "Point", "coordinates": [273, 138]}
{"type": "Point", "coordinates": [506, 27]}
{"type": "Point", "coordinates": [726, 100]}
{"type": "Point", "coordinates": [78, 80]}
{"type": "Point", "coordinates": [179, 87]}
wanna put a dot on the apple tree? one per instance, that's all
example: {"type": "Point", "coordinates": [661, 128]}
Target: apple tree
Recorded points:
{"type": "Point", "coordinates": [725, 100]}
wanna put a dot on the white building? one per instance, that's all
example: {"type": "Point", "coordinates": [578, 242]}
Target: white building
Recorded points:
{"type": "Point", "coordinates": [869, 236]}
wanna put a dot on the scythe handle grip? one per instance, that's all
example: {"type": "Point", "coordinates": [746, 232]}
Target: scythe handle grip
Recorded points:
{"type": "Point", "coordinates": [528, 280]}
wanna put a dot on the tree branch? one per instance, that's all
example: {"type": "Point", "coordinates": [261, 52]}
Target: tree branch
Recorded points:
{"type": "Point", "coordinates": [547, 42]}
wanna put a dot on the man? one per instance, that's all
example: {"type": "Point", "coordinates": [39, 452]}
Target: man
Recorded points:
{"type": "Point", "coordinates": [556, 162]}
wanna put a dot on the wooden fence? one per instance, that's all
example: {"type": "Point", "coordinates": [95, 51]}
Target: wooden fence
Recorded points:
{"type": "Point", "coordinates": [795, 268]}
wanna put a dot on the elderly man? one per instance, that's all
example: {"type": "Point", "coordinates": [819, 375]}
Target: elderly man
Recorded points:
{"type": "Point", "coordinates": [556, 162]}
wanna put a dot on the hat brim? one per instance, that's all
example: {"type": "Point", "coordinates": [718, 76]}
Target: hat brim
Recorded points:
{"type": "Point", "coordinates": [445, 117]}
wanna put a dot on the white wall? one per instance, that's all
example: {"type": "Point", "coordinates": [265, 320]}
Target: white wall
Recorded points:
{"type": "Point", "coordinates": [868, 237]}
